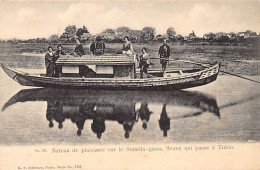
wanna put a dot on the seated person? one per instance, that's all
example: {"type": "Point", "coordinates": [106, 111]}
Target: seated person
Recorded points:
{"type": "Point", "coordinates": [78, 51]}
{"type": "Point", "coordinates": [97, 47]}
{"type": "Point", "coordinates": [144, 63]}
{"type": "Point", "coordinates": [127, 47]}
{"type": "Point", "coordinates": [59, 51]}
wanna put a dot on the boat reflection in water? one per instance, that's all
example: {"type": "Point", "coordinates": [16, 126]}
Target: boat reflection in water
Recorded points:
{"type": "Point", "coordinates": [118, 106]}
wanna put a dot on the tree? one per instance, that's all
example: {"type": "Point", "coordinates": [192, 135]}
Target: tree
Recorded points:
{"type": "Point", "coordinates": [121, 32]}
{"type": "Point", "coordinates": [53, 38]}
{"type": "Point", "coordinates": [232, 35]}
{"type": "Point", "coordinates": [84, 29]}
{"type": "Point", "coordinates": [179, 37]}
{"type": "Point", "coordinates": [136, 35]}
{"type": "Point", "coordinates": [86, 36]}
{"type": "Point", "coordinates": [171, 33]}
{"type": "Point", "coordinates": [70, 33]}
{"type": "Point", "coordinates": [123, 29]}
{"type": "Point", "coordinates": [108, 34]}
{"type": "Point", "coordinates": [209, 36]}
{"type": "Point", "coordinates": [81, 31]}
{"type": "Point", "coordinates": [149, 33]}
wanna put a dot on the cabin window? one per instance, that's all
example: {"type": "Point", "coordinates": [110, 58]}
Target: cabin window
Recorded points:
{"type": "Point", "coordinates": [70, 69]}
{"type": "Point", "coordinates": [104, 70]}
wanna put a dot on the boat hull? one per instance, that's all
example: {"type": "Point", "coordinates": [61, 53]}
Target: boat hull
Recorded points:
{"type": "Point", "coordinates": [194, 79]}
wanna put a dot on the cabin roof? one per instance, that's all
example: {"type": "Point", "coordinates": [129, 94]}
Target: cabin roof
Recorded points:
{"type": "Point", "coordinates": [96, 60]}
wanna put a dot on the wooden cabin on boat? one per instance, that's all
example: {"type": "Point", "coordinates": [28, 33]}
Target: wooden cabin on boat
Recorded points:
{"type": "Point", "coordinates": [102, 66]}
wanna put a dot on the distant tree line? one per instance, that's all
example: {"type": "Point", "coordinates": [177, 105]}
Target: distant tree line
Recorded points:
{"type": "Point", "coordinates": [147, 34]}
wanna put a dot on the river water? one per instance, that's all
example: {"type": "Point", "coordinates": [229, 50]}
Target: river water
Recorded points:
{"type": "Point", "coordinates": [226, 110]}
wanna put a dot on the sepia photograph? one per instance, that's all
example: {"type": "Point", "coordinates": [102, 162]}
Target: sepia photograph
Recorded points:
{"type": "Point", "coordinates": [87, 83]}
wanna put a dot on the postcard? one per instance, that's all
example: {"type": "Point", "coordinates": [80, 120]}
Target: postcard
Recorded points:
{"type": "Point", "coordinates": [129, 85]}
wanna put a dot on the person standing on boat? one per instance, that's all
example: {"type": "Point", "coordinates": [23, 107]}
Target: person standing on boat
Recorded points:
{"type": "Point", "coordinates": [144, 63]}
{"type": "Point", "coordinates": [164, 54]}
{"type": "Point", "coordinates": [49, 62]}
{"type": "Point", "coordinates": [57, 54]}
{"type": "Point", "coordinates": [79, 48]}
{"type": "Point", "coordinates": [97, 47]}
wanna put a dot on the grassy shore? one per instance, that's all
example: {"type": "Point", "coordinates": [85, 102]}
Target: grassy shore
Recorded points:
{"type": "Point", "coordinates": [242, 60]}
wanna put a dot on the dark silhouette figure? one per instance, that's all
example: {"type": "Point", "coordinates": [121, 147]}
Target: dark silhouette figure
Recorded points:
{"type": "Point", "coordinates": [58, 115]}
{"type": "Point", "coordinates": [50, 112]}
{"type": "Point", "coordinates": [144, 114]}
{"type": "Point", "coordinates": [98, 126]}
{"type": "Point", "coordinates": [126, 115]}
{"type": "Point", "coordinates": [128, 126]}
{"type": "Point", "coordinates": [164, 121]}
{"type": "Point", "coordinates": [80, 117]}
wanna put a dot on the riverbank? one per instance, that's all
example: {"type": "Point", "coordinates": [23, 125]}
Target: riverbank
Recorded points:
{"type": "Point", "coordinates": [241, 60]}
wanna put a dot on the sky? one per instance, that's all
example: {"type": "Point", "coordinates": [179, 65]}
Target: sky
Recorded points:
{"type": "Point", "coordinates": [32, 19]}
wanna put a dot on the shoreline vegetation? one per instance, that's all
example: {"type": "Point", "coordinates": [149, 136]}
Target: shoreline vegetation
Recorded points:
{"type": "Point", "coordinates": [239, 53]}
{"type": "Point", "coordinates": [238, 59]}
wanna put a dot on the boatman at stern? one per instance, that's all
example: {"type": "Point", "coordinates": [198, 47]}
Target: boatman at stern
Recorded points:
{"type": "Point", "coordinates": [164, 54]}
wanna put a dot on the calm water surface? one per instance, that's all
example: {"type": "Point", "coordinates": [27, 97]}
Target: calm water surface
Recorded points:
{"type": "Point", "coordinates": [225, 110]}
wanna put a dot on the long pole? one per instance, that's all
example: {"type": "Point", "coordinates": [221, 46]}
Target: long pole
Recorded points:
{"type": "Point", "coordinates": [240, 76]}
{"type": "Point", "coordinates": [207, 65]}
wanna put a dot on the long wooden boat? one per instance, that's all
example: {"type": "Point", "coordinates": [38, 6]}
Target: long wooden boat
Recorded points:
{"type": "Point", "coordinates": [115, 73]}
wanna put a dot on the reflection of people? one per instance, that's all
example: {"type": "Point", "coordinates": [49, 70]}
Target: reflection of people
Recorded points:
{"type": "Point", "coordinates": [59, 116]}
{"type": "Point", "coordinates": [50, 112]}
{"type": "Point", "coordinates": [54, 111]}
{"type": "Point", "coordinates": [164, 54]}
{"type": "Point", "coordinates": [144, 114]}
{"type": "Point", "coordinates": [79, 119]}
{"type": "Point", "coordinates": [98, 126]}
{"type": "Point", "coordinates": [79, 48]}
{"type": "Point", "coordinates": [49, 62]}
{"type": "Point", "coordinates": [97, 47]}
{"type": "Point", "coordinates": [84, 111]}
{"type": "Point", "coordinates": [57, 55]}
{"type": "Point", "coordinates": [128, 126]}
{"type": "Point", "coordinates": [144, 63]}
{"type": "Point", "coordinates": [126, 115]}
{"type": "Point", "coordinates": [164, 121]}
